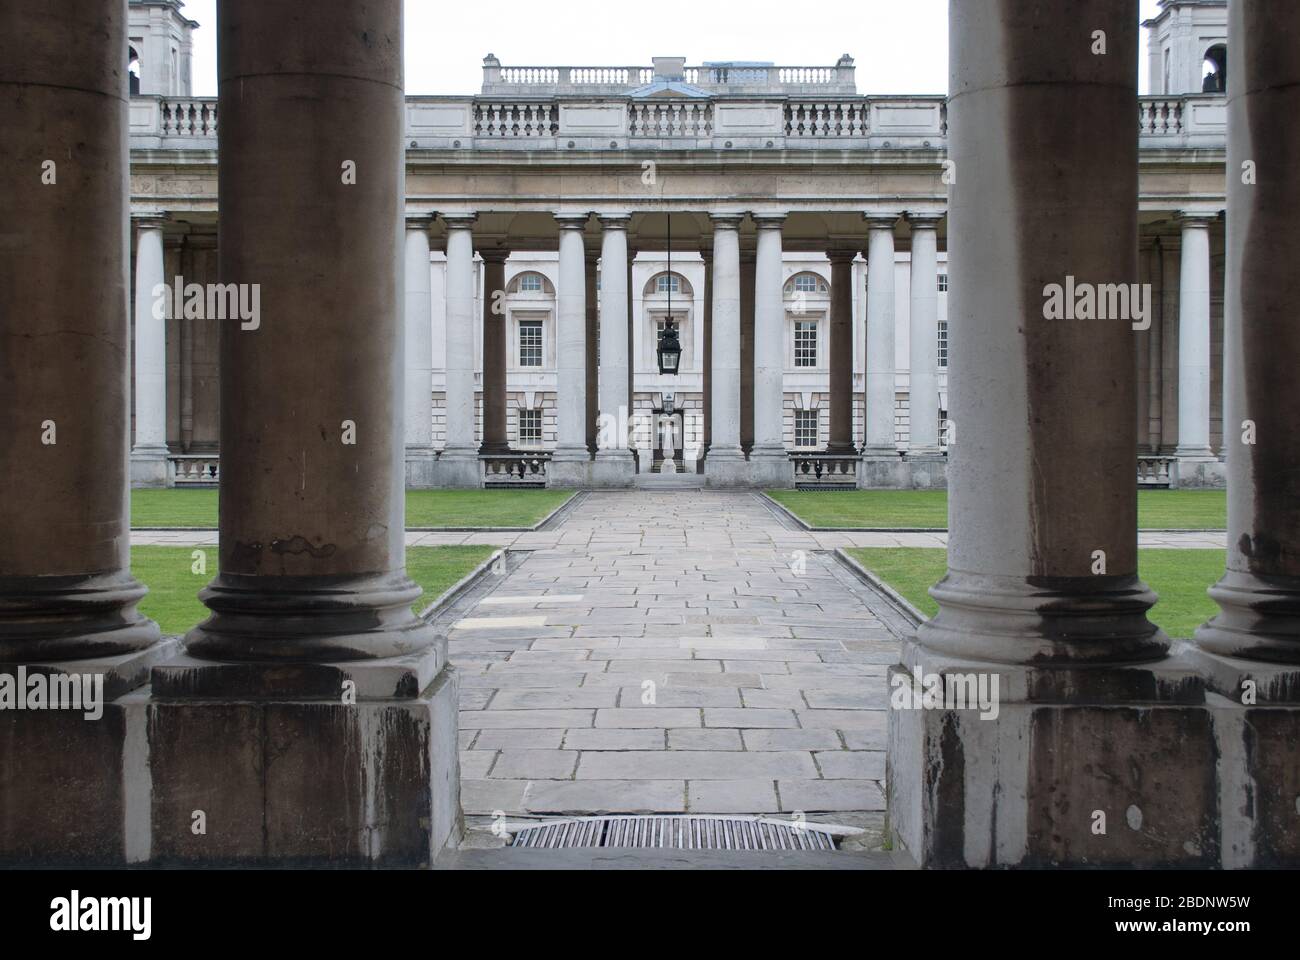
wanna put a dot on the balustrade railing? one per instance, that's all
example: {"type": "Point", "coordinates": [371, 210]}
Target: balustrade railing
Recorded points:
{"type": "Point", "coordinates": [516, 469]}
{"type": "Point", "coordinates": [837, 119]}
{"type": "Point", "coordinates": [825, 470]}
{"type": "Point", "coordinates": [185, 470]}
{"type": "Point", "coordinates": [516, 120]}
{"type": "Point", "coordinates": [670, 119]}
{"type": "Point", "coordinates": [1156, 471]}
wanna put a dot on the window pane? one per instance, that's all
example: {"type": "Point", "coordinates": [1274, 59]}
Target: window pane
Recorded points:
{"type": "Point", "coordinates": [943, 343]}
{"type": "Point", "coordinates": [805, 428]}
{"type": "Point", "coordinates": [530, 343]}
{"type": "Point", "coordinates": [530, 428]}
{"type": "Point", "coordinates": [805, 343]}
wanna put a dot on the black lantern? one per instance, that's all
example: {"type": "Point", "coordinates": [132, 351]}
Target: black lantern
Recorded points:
{"type": "Point", "coordinates": [670, 349]}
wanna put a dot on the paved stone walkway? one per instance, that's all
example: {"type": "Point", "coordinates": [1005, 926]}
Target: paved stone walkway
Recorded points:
{"type": "Point", "coordinates": [671, 653]}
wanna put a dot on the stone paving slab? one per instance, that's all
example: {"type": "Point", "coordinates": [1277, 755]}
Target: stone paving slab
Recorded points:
{"type": "Point", "coordinates": [696, 657]}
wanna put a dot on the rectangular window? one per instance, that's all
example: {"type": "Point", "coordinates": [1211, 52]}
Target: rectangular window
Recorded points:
{"type": "Point", "coordinates": [531, 282]}
{"type": "Point", "coordinates": [530, 428]}
{"type": "Point", "coordinates": [943, 283]}
{"type": "Point", "coordinates": [805, 429]}
{"type": "Point", "coordinates": [530, 343]}
{"type": "Point", "coordinates": [805, 343]}
{"type": "Point", "coordinates": [943, 343]}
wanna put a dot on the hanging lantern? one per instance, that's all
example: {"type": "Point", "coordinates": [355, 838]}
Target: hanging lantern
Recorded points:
{"type": "Point", "coordinates": [670, 349]}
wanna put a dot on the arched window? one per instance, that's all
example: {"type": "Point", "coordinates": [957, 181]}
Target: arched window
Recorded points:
{"type": "Point", "coordinates": [531, 282]}
{"type": "Point", "coordinates": [807, 283]}
{"type": "Point", "coordinates": [1216, 70]}
{"type": "Point", "coordinates": [661, 284]}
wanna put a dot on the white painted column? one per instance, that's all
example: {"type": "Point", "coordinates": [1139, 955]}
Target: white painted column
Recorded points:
{"type": "Point", "coordinates": [418, 324]}
{"type": "Point", "coordinates": [769, 352]}
{"type": "Point", "coordinates": [461, 281]}
{"type": "Point", "coordinates": [571, 339]}
{"type": "Point", "coordinates": [615, 402]}
{"type": "Point", "coordinates": [881, 373]}
{"type": "Point", "coordinates": [149, 451]}
{"type": "Point", "coordinates": [1194, 340]}
{"type": "Point", "coordinates": [923, 388]}
{"type": "Point", "coordinates": [724, 452]}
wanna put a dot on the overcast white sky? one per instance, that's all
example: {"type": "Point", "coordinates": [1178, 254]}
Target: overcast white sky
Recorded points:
{"type": "Point", "coordinates": [901, 46]}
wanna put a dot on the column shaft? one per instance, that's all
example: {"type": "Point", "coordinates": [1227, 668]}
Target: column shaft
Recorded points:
{"type": "Point", "coordinates": [1259, 595]}
{"type": "Point", "coordinates": [312, 510]}
{"type": "Point", "coordinates": [707, 309]}
{"type": "Point", "coordinates": [881, 369]}
{"type": "Point", "coordinates": [615, 401]}
{"type": "Point", "coordinates": [923, 389]}
{"type": "Point", "coordinates": [1042, 553]}
{"type": "Point", "coordinates": [726, 341]}
{"type": "Point", "coordinates": [459, 443]}
{"type": "Point", "coordinates": [571, 329]}
{"type": "Point", "coordinates": [841, 354]}
{"type": "Point", "coordinates": [66, 592]}
{"type": "Point", "coordinates": [419, 339]}
{"type": "Point", "coordinates": [769, 341]}
{"type": "Point", "coordinates": [152, 306]}
{"type": "Point", "coordinates": [496, 349]}
{"type": "Point", "coordinates": [1194, 341]}
{"type": "Point", "coordinates": [591, 390]}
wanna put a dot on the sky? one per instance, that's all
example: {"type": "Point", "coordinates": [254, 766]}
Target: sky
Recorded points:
{"type": "Point", "coordinates": [901, 46]}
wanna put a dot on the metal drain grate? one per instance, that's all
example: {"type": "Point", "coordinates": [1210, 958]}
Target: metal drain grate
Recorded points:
{"type": "Point", "coordinates": [676, 833]}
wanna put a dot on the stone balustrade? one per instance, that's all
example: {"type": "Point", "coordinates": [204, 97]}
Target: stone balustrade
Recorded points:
{"type": "Point", "coordinates": [726, 121]}
{"type": "Point", "coordinates": [515, 469]}
{"type": "Point", "coordinates": [718, 78]}
{"type": "Point", "coordinates": [1156, 471]}
{"type": "Point", "coordinates": [823, 471]}
{"type": "Point", "coordinates": [188, 470]}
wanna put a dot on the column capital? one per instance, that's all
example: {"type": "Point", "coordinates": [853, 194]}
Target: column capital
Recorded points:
{"type": "Point", "coordinates": [572, 221]}
{"type": "Point", "coordinates": [841, 254]}
{"type": "Point", "coordinates": [494, 254]}
{"type": "Point", "coordinates": [614, 221]}
{"type": "Point", "coordinates": [459, 221]}
{"type": "Point", "coordinates": [420, 221]}
{"type": "Point", "coordinates": [881, 221]}
{"type": "Point", "coordinates": [1196, 219]}
{"type": "Point", "coordinates": [150, 221]}
{"type": "Point", "coordinates": [726, 221]}
{"type": "Point", "coordinates": [769, 221]}
{"type": "Point", "coordinates": [924, 220]}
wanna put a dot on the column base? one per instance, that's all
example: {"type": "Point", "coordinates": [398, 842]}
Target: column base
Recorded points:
{"type": "Point", "coordinates": [421, 468]}
{"type": "Point", "coordinates": [149, 467]}
{"type": "Point", "coordinates": [52, 619]}
{"type": "Point", "coordinates": [1256, 635]}
{"type": "Point", "coordinates": [613, 469]}
{"type": "Point", "coordinates": [304, 769]}
{"type": "Point", "coordinates": [457, 470]}
{"type": "Point", "coordinates": [74, 788]}
{"type": "Point", "coordinates": [1121, 772]}
{"type": "Point", "coordinates": [927, 470]}
{"type": "Point", "coordinates": [726, 468]}
{"type": "Point", "coordinates": [770, 468]}
{"type": "Point", "coordinates": [1198, 470]}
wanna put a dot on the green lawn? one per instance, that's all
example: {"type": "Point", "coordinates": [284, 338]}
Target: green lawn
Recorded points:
{"type": "Point", "coordinates": [928, 509]}
{"type": "Point", "coordinates": [173, 584]}
{"type": "Point", "coordinates": [1180, 577]}
{"type": "Point", "coordinates": [197, 509]}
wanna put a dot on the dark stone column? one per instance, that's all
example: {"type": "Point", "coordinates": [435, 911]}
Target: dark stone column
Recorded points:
{"type": "Point", "coordinates": [1251, 650]}
{"type": "Point", "coordinates": [496, 349]}
{"type": "Point", "coordinates": [748, 277]}
{"type": "Point", "coordinates": [1081, 721]}
{"type": "Point", "coordinates": [841, 353]}
{"type": "Point", "coordinates": [67, 597]}
{"type": "Point", "coordinates": [706, 252]}
{"type": "Point", "coordinates": [312, 669]}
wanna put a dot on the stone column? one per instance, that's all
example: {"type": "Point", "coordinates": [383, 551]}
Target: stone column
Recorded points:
{"type": "Point", "coordinates": [496, 351]}
{"type": "Point", "coordinates": [591, 389]}
{"type": "Point", "coordinates": [706, 254]}
{"type": "Point", "coordinates": [1042, 596]}
{"type": "Point", "coordinates": [841, 353]}
{"type": "Point", "coordinates": [458, 464]}
{"type": "Point", "coordinates": [1197, 462]}
{"type": "Point", "coordinates": [768, 462]}
{"type": "Point", "coordinates": [571, 463]}
{"type": "Point", "coordinates": [66, 591]}
{"type": "Point", "coordinates": [725, 465]}
{"type": "Point", "coordinates": [1256, 636]}
{"type": "Point", "coordinates": [614, 465]}
{"type": "Point", "coordinates": [153, 301]}
{"type": "Point", "coordinates": [882, 467]}
{"type": "Point", "coordinates": [420, 455]}
{"type": "Point", "coordinates": [312, 668]}
{"type": "Point", "coordinates": [923, 388]}
{"type": "Point", "coordinates": [748, 280]}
